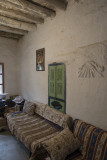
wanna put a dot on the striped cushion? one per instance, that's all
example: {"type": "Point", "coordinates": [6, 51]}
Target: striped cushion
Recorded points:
{"type": "Point", "coordinates": [94, 140]}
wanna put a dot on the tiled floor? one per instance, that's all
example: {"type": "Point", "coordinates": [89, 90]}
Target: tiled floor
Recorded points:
{"type": "Point", "coordinates": [10, 148]}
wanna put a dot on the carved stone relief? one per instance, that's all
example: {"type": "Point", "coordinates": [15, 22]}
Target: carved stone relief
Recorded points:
{"type": "Point", "coordinates": [91, 69]}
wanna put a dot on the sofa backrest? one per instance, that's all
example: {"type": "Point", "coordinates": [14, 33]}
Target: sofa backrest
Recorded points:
{"type": "Point", "coordinates": [57, 117]}
{"type": "Point", "coordinates": [51, 114]}
{"type": "Point", "coordinates": [94, 140]}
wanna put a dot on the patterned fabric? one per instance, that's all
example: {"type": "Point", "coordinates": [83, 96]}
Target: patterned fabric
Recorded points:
{"type": "Point", "coordinates": [57, 117]}
{"type": "Point", "coordinates": [30, 130]}
{"type": "Point", "coordinates": [94, 141]}
{"type": "Point", "coordinates": [75, 156]}
{"type": "Point", "coordinates": [40, 154]}
{"type": "Point", "coordinates": [12, 118]}
{"type": "Point", "coordinates": [61, 145]}
{"type": "Point", "coordinates": [40, 108]}
{"type": "Point", "coordinates": [29, 108]}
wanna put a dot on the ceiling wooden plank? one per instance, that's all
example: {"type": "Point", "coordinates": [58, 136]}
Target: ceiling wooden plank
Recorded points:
{"type": "Point", "coordinates": [17, 24]}
{"type": "Point", "coordinates": [10, 35]}
{"type": "Point", "coordinates": [19, 15]}
{"type": "Point", "coordinates": [27, 6]}
{"type": "Point", "coordinates": [12, 30]}
{"type": "Point", "coordinates": [56, 3]}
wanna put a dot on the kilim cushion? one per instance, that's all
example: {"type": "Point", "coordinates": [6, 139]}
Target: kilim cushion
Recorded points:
{"type": "Point", "coordinates": [94, 140]}
{"type": "Point", "coordinates": [40, 108]}
{"type": "Point", "coordinates": [61, 145]}
{"type": "Point", "coordinates": [29, 108]}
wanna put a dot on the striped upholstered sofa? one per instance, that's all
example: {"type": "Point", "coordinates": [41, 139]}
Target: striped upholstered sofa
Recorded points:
{"type": "Point", "coordinates": [93, 141]}
{"type": "Point", "coordinates": [46, 123]}
{"type": "Point", "coordinates": [38, 122]}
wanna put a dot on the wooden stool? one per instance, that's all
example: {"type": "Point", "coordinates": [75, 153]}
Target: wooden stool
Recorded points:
{"type": "Point", "coordinates": [3, 124]}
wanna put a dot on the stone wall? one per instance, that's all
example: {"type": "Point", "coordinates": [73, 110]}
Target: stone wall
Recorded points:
{"type": "Point", "coordinates": [77, 37]}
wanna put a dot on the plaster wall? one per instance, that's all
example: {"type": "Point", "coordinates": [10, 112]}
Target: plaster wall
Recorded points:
{"type": "Point", "coordinates": [77, 37]}
{"type": "Point", "coordinates": [8, 56]}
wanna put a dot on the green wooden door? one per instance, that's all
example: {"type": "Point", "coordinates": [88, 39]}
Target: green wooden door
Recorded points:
{"type": "Point", "coordinates": [60, 82]}
{"type": "Point", "coordinates": [52, 81]}
{"type": "Point", "coordinates": [57, 89]}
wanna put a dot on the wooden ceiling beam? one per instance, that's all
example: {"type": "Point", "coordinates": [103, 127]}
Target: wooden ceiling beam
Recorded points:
{"type": "Point", "coordinates": [19, 15]}
{"type": "Point", "coordinates": [12, 30]}
{"type": "Point", "coordinates": [56, 3]}
{"type": "Point", "coordinates": [17, 24]}
{"type": "Point", "coordinates": [27, 6]}
{"type": "Point", "coordinates": [10, 35]}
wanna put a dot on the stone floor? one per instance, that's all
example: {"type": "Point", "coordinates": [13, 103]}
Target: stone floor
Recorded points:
{"type": "Point", "coordinates": [10, 148]}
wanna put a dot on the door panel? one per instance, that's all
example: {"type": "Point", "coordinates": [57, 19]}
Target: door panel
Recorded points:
{"type": "Point", "coordinates": [52, 81]}
{"type": "Point", "coordinates": [57, 87]}
{"type": "Point", "coordinates": [60, 82]}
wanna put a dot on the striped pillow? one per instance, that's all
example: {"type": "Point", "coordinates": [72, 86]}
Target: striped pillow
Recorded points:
{"type": "Point", "coordinates": [94, 140]}
{"type": "Point", "coordinates": [29, 108]}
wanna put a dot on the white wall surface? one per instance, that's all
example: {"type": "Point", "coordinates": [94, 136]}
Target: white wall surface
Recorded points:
{"type": "Point", "coordinates": [8, 56]}
{"type": "Point", "coordinates": [75, 37]}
